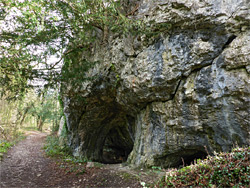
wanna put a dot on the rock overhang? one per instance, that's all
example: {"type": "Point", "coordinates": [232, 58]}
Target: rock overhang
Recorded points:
{"type": "Point", "coordinates": [185, 90]}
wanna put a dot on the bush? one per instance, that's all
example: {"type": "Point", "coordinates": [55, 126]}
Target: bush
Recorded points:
{"type": "Point", "coordinates": [63, 155]}
{"type": "Point", "coordinates": [222, 170]}
{"type": "Point", "coordinates": [53, 148]}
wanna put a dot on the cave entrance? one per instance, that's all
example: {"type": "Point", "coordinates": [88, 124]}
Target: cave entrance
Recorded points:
{"type": "Point", "coordinates": [117, 146]}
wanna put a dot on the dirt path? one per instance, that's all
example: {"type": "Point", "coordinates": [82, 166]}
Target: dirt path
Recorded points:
{"type": "Point", "coordinates": [25, 165]}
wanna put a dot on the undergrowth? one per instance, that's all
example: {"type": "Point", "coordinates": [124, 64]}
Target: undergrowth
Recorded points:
{"type": "Point", "coordinates": [53, 148]}
{"type": "Point", "coordinates": [63, 155]}
{"type": "Point", "coordinates": [5, 145]}
{"type": "Point", "coordinates": [221, 170]}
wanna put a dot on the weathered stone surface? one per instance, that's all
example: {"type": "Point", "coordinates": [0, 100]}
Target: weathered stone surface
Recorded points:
{"type": "Point", "coordinates": [238, 55]}
{"type": "Point", "coordinates": [164, 98]}
{"type": "Point", "coordinates": [61, 124]}
{"type": "Point", "coordinates": [209, 109]}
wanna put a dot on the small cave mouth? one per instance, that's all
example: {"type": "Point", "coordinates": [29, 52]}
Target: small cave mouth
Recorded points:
{"type": "Point", "coordinates": [190, 157]}
{"type": "Point", "coordinates": [114, 155]}
{"type": "Point", "coordinates": [117, 146]}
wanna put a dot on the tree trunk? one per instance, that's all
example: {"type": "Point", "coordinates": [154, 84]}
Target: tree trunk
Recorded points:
{"type": "Point", "coordinates": [40, 124]}
{"type": "Point", "coordinates": [24, 115]}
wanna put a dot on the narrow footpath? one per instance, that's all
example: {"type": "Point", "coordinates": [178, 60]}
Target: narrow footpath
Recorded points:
{"type": "Point", "coordinates": [26, 165]}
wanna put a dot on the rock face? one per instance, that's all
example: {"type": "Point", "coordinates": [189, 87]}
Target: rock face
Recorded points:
{"type": "Point", "coordinates": [61, 124]}
{"type": "Point", "coordinates": [172, 97]}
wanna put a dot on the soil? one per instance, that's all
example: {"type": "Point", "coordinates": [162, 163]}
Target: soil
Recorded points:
{"type": "Point", "coordinates": [26, 165]}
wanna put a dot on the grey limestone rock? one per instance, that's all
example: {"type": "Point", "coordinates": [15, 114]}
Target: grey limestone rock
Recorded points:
{"type": "Point", "coordinates": [170, 98]}
{"type": "Point", "coordinates": [61, 124]}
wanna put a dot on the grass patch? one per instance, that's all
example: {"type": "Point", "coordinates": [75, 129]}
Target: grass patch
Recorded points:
{"type": "Point", "coordinates": [53, 148]}
{"type": "Point", "coordinates": [31, 128]}
{"type": "Point", "coordinates": [62, 153]}
{"type": "Point", "coordinates": [222, 170]}
{"type": "Point", "coordinates": [98, 165]}
{"type": "Point", "coordinates": [5, 145]}
{"type": "Point", "coordinates": [128, 176]}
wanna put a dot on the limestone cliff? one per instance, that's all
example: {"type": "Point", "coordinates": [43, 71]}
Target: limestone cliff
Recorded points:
{"type": "Point", "coordinates": [160, 100]}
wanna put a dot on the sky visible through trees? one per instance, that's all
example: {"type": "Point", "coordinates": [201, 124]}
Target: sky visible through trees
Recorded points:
{"type": "Point", "coordinates": [37, 36]}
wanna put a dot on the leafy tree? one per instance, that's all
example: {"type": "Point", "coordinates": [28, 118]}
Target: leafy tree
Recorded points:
{"type": "Point", "coordinates": [46, 109]}
{"type": "Point", "coordinates": [33, 31]}
{"type": "Point", "coordinates": [33, 109]}
{"type": "Point", "coordinates": [13, 114]}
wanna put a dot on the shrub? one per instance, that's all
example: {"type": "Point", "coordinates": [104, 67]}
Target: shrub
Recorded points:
{"type": "Point", "coordinates": [63, 155]}
{"type": "Point", "coordinates": [54, 149]}
{"type": "Point", "coordinates": [222, 170]}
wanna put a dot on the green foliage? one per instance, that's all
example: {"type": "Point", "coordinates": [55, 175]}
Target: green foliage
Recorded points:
{"type": "Point", "coordinates": [53, 148]}
{"type": "Point", "coordinates": [61, 104]}
{"type": "Point", "coordinates": [33, 31]}
{"type": "Point", "coordinates": [4, 146]}
{"type": "Point", "coordinates": [30, 128]}
{"type": "Point", "coordinates": [156, 168]}
{"type": "Point", "coordinates": [13, 115]}
{"type": "Point", "coordinates": [222, 170]}
{"type": "Point", "coordinates": [33, 109]}
{"type": "Point", "coordinates": [46, 109]}
{"type": "Point", "coordinates": [74, 70]}
{"type": "Point", "coordinates": [60, 151]}
{"type": "Point", "coordinates": [23, 33]}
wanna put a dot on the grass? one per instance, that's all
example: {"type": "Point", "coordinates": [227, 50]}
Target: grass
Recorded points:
{"type": "Point", "coordinates": [53, 148]}
{"type": "Point", "coordinates": [128, 176]}
{"type": "Point", "coordinates": [5, 145]}
{"type": "Point", "coordinates": [221, 170]}
{"type": "Point", "coordinates": [62, 153]}
{"type": "Point", "coordinates": [30, 128]}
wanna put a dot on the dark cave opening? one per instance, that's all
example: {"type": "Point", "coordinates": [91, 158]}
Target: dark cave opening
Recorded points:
{"type": "Point", "coordinates": [114, 155]}
{"type": "Point", "coordinates": [117, 146]}
{"type": "Point", "coordinates": [190, 157]}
